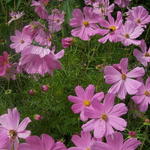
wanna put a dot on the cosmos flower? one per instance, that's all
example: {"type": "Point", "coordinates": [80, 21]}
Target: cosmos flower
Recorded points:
{"type": "Point", "coordinates": [15, 16]}
{"type": "Point", "coordinates": [84, 23]}
{"type": "Point", "coordinates": [122, 80]}
{"type": "Point", "coordinates": [83, 142]}
{"type": "Point", "coordinates": [142, 97]}
{"type": "Point", "coordinates": [20, 41]}
{"type": "Point", "coordinates": [84, 99]}
{"type": "Point", "coordinates": [105, 117]}
{"type": "Point", "coordinates": [11, 130]}
{"type": "Point", "coordinates": [116, 142]}
{"type": "Point", "coordinates": [4, 63]}
{"type": "Point", "coordinates": [45, 142]}
{"type": "Point", "coordinates": [142, 56]}
{"type": "Point", "coordinates": [129, 32]}
{"type": "Point", "coordinates": [139, 15]}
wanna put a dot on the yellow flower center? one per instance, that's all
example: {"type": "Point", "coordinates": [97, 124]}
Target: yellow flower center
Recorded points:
{"type": "Point", "coordinates": [127, 36]}
{"type": "Point", "coordinates": [86, 23]}
{"type": "Point", "coordinates": [104, 117]}
{"type": "Point", "coordinates": [13, 134]}
{"type": "Point", "coordinates": [147, 54]}
{"type": "Point", "coordinates": [87, 148]}
{"type": "Point", "coordinates": [86, 103]}
{"type": "Point", "coordinates": [123, 76]}
{"type": "Point", "coordinates": [147, 93]}
{"type": "Point", "coordinates": [112, 28]}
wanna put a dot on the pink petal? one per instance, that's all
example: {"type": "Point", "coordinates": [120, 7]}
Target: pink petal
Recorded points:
{"type": "Point", "coordinates": [80, 91]}
{"type": "Point", "coordinates": [24, 134]}
{"type": "Point", "coordinates": [137, 72]}
{"type": "Point", "coordinates": [132, 85]}
{"type": "Point", "coordinates": [89, 92]}
{"type": "Point", "coordinates": [117, 123]}
{"type": "Point", "coordinates": [89, 125]}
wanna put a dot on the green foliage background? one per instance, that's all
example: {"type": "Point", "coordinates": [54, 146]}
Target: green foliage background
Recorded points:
{"type": "Point", "coordinates": [79, 68]}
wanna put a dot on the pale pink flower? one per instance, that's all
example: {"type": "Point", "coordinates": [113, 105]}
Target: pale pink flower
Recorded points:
{"type": "Point", "coordinates": [45, 88]}
{"type": "Point", "coordinates": [39, 60]}
{"type": "Point", "coordinates": [139, 15]}
{"type": "Point", "coordinates": [122, 3]}
{"type": "Point", "coordinates": [15, 16]}
{"type": "Point", "coordinates": [84, 99]}
{"type": "Point", "coordinates": [20, 41]}
{"type": "Point", "coordinates": [4, 63]}
{"type": "Point", "coordinates": [11, 130]}
{"type": "Point", "coordinates": [111, 28]}
{"type": "Point", "coordinates": [116, 142]}
{"type": "Point", "coordinates": [103, 8]}
{"type": "Point", "coordinates": [122, 80]}
{"type": "Point", "coordinates": [105, 117]}
{"type": "Point", "coordinates": [55, 20]}
{"type": "Point", "coordinates": [142, 97]}
{"type": "Point", "coordinates": [45, 142]}
{"type": "Point", "coordinates": [142, 56]}
{"type": "Point", "coordinates": [66, 42]}
{"type": "Point", "coordinates": [84, 23]}
{"type": "Point", "coordinates": [83, 142]}
{"type": "Point", "coordinates": [38, 117]}
{"type": "Point", "coordinates": [129, 33]}
{"type": "Point", "coordinates": [40, 9]}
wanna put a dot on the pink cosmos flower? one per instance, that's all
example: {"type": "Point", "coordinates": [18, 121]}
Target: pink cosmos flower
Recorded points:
{"type": "Point", "coordinates": [66, 42]}
{"type": "Point", "coordinates": [139, 15]}
{"type": "Point", "coordinates": [55, 20]}
{"type": "Point", "coordinates": [111, 28]}
{"type": "Point", "coordinates": [84, 23]}
{"type": "Point", "coordinates": [122, 80]}
{"type": "Point", "coordinates": [84, 99]}
{"type": "Point", "coordinates": [15, 16]}
{"type": "Point", "coordinates": [82, 143]}
{"type": "Point", "coordinates": [129, 32]}
{"type": "Point", "coordinates": [45, 142]}
{"type": "Point", "coordinates": [142, 97]}
{"type": "Point", "coordinates": [122, 3]}
{"type": "Point", "coordinates": [105, 116]}
{"type": "Point", "coordinates": [39, 60]}
{"type": "Point", "coordinates": [4, 63]}
{"type": "Point", "coordinates": [11, 130]}
{"type": "Point", "coordinates": [43, 38]}
{"type": "Point", "coordinates": [40, 9]}
{"type": "Point", "coordinates": [116, 142]}
{"type": "Point", "coordinates": [103, 8]}
{"type": "Point", "coordinates": [142, 56]}
{"type": "Point", "coordinates": [20, 41]}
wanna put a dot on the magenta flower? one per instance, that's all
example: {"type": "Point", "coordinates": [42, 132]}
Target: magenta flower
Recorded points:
{"type": "Point", "coordinates": [15, 16]}
{"type": "Point", "coordinates": [122, 3]}
{"type": "Point", "coordinates": [84, 99]}
{"type": "Point", "coordinates": [45, 142]}
{"type": "Point", "coordinates": [139, 15]}
{"type": "Point", "coordinates": [39, 60]}
{"type": "Point", "coordinates": [105, 116]}
{"type": "Point", "coordinates": [142, 97]}
{"type": "Point", "coordinates": [116, 142]}
{"type": "Point", "coordinates": [40, 9]}
{"type": "Point", "coordinates": [103, 8]}
{"type": "Point", "coordinates": [20, 41]}
{"type": "Point", "coordinates": [66, 42]}
{"type": "Point", "coordinates": [142, 56]}
{"type": "Point", "coordinates": [4, 64]}
{"type": "Point", "coordinates": [111, 28]}
{"type": "Point", "coordinates": [129, 33]}
{"type": "Point", "coordinates": [82, 143]}
{"type": "Point", "coordinates": [84, 23]}
{"type": "Point", "coordinates": [11, 130]}
{"type": "Point", "coordinates": [55, 20]}
{"type": "Point", "coordinates": [122, 80]}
